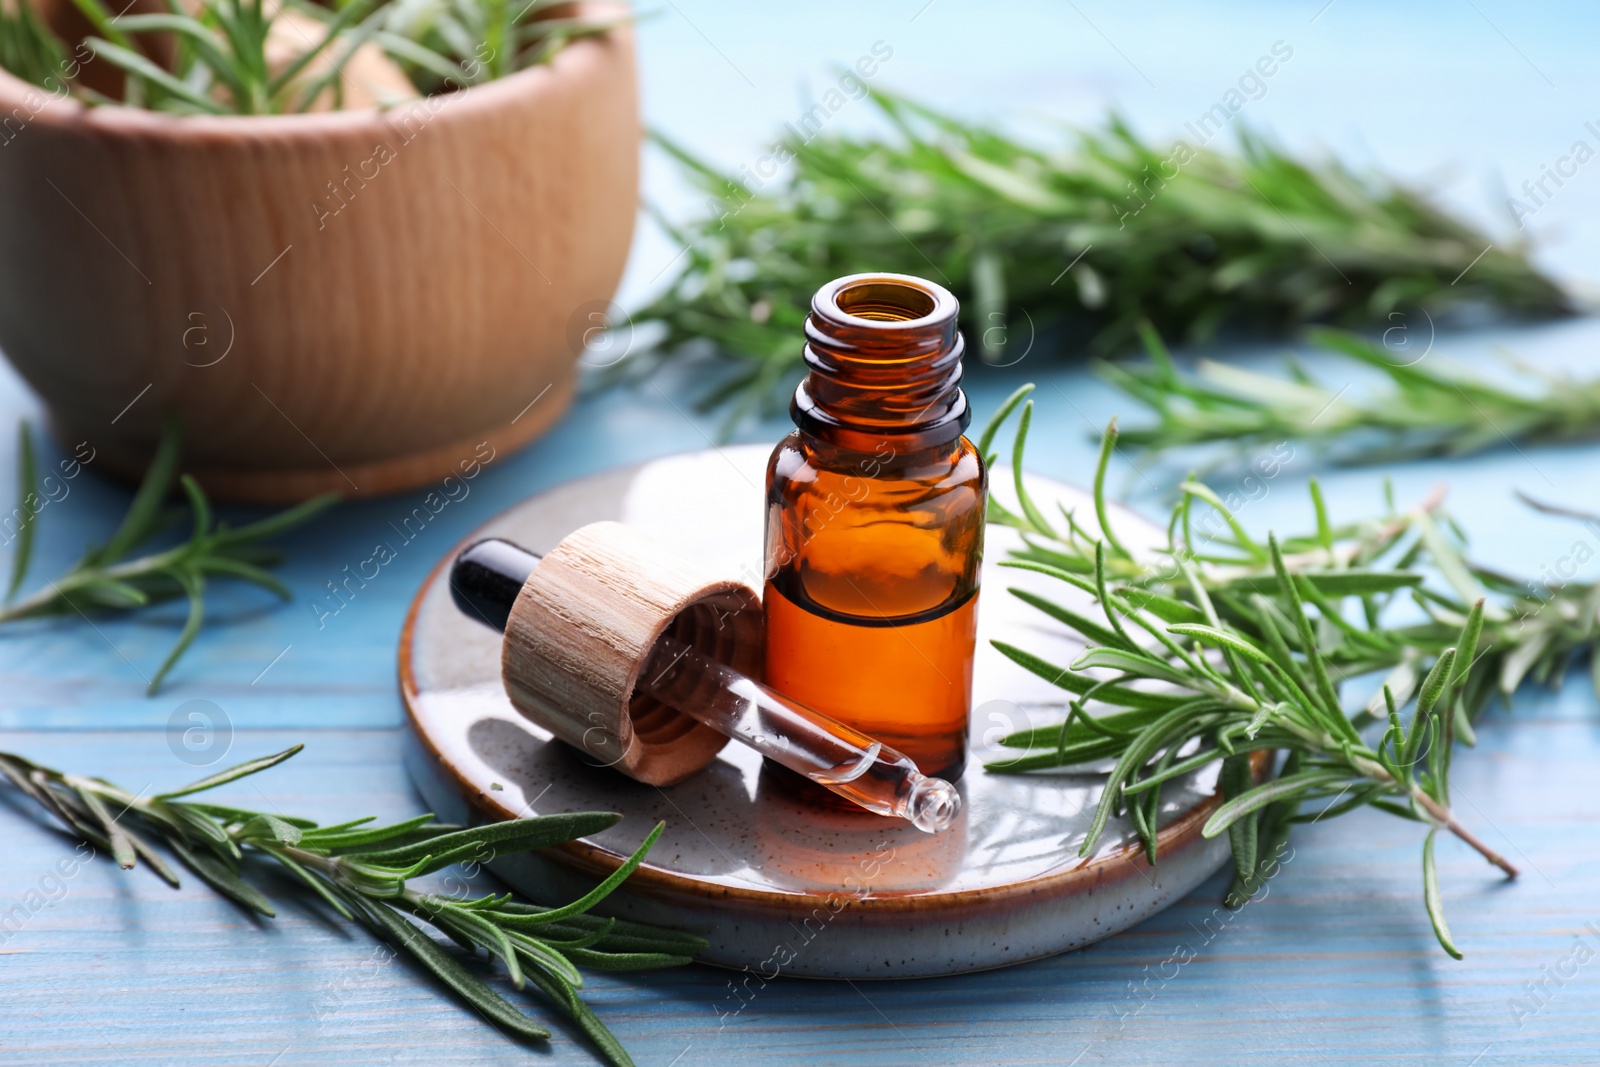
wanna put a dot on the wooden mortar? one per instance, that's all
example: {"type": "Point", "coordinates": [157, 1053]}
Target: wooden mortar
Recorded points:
{"type": "Point", "coordinates": [352, 300]}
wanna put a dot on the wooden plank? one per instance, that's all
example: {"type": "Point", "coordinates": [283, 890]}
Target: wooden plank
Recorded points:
{"type": "Point", "coordinates": [1335, 962]}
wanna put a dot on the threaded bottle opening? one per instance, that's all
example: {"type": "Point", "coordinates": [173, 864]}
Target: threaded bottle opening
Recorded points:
{"type": "Point", "coordinates": [884, 357]}
{"type": "Point", "coordinates": [879, 300]}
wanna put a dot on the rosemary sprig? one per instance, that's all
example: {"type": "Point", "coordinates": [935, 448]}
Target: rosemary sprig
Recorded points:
{"type": "Point", "coordinates": [451, 44]}
{"type": "Point", "coordinates": [28, 48]}
{"type": "Point", "coordinates": [1532, 628]}
{"type": "Point", "coordinates": [106, 579]}
{"type": "Point", "coordinates": [222, 54]}
{"type": "Point", "coordinates": [220, 62]}
{"type": "Point", "coordinates": [1431, 407]}
{"type": "Point", "coordinates": [1216, 645]}
{"type": "Point", "coordinates": [1080, 242]}
{"type": "Point", "coordinates": [364, 873]}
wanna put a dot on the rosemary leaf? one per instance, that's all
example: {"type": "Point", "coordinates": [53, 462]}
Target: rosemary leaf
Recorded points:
{"type": "Point", "coordinates": [1235, 780]}
{"type": "Point", "coordinates": [598, 893]}
{"type": "Point", "coordinates": [445, 967]}
{"type": "Point", "coordinates": [1430, 895]}
{"type": "Point", "coordinates": [1289, 788]}
{"type": "Point", "coordinates": [249, 767]}
{"type": "Point", "coordinates": [26, 477]}
{"type": "Point", "coordinates": [518, 835]}
{"type": "Point", "coordinates": [140, 522]}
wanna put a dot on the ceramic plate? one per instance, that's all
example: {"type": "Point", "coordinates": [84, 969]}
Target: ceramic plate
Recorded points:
{"type": "Point", "coordinates": [776, 883]}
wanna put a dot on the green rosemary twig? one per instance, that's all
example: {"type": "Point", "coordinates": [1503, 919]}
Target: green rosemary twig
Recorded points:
{"type": "Point", "coordinates": [1533, 627]}
{"type": "Point", "coordinates": [28, 48]}
{"type": "Point", "coordinates": [450, 44]}
{"type": "Point", "coordinates": [1216, 645]}
{"type": "Point", "coordinates": [105, 579]}
{"type": "Point", "coordinates": [1073, 244]}
{"type": "Point", "coordinates": [364, 873]}
{"type": "Point", "coordinates": [1426, 406]}
{"type": "Point", "coordinates": [218, 59]}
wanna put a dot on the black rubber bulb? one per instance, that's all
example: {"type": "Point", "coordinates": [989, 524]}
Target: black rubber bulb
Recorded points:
{"type": "Point", "coordinates": [486, 578]}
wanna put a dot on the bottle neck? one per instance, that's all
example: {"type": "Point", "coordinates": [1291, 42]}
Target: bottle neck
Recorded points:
{"type": "Point", "coordinates": [884, 357]}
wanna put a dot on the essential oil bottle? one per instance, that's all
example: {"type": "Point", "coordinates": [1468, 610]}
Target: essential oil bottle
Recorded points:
{"type": "Point", "coordinates": [874, 526]}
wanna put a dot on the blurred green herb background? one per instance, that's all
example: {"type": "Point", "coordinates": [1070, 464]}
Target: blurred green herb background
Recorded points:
{"type": "Point", "coordinates": [1065, 248]}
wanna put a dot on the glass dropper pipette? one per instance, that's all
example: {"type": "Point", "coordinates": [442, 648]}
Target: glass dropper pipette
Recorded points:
{"type": "Point", "coordinates": [485, 580]}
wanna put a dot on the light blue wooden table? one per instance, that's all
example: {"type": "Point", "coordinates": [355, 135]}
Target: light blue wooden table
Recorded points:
{"type": "Point", "coordinates": [1336, 965]}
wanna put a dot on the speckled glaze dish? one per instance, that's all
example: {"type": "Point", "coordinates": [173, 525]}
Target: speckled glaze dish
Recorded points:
{"type": "Point", "coordinates": [778, 883]}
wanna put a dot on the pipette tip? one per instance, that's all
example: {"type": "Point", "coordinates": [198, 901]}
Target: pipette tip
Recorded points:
{"type": "Point", "coordinates": [933, 804]}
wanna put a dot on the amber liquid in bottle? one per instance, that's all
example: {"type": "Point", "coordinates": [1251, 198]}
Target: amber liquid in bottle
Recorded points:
{"type": "Point", "coordinates": [875, 509]}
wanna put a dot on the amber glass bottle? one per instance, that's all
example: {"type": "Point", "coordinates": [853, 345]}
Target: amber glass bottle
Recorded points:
{"type": "Point", "coordinates": [875, 509]}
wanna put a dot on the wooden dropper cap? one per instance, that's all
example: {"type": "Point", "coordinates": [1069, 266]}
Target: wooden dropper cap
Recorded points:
{"type": "Point", "coordinates": [581, 628]}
